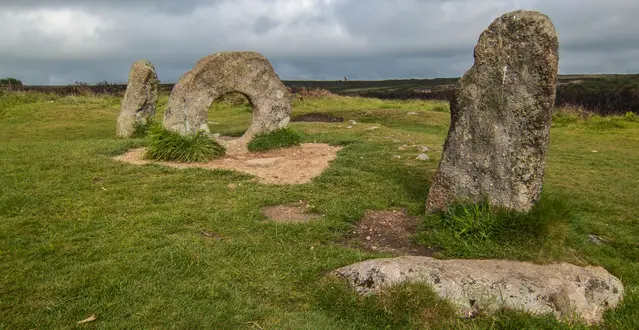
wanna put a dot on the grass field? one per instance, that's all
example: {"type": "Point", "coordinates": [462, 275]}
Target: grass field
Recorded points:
{"type": "Point", "coordinates": [82, 235]}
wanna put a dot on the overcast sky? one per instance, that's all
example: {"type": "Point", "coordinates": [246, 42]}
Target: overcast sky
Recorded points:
{"type": "Point", "coordinates": [62, 41]}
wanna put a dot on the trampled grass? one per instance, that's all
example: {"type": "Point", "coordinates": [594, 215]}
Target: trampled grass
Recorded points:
{"type": "Point", "coordinates": [82, 235]}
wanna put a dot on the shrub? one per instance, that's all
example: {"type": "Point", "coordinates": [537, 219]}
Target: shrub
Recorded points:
{"type": "Point", "coordinates": [81, 88]}
{"type": "Point", "coordinates": [630, 116]}
{"type": "Point", "coordinates": [10, 82]}
{"type": "Point", "coordinates": [106, 87]}
{"type": "Point", "coordinates": [280, 138]}
{"type": "Point", "coordinates": [171, 146]}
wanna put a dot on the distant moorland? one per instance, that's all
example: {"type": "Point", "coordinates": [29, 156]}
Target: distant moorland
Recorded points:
{"type": "Point", "coordinates": [605, 94]}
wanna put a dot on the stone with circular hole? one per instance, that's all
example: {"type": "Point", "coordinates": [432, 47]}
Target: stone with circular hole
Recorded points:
{"type": "Point", "coordinates": [247, 73]}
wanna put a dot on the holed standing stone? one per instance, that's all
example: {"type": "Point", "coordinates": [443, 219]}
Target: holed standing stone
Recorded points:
{"type": "Point", "coordinates": [140, 99]}
{"type": "Point", "coordinates": [501, 112]}
{"type": "Point", "coordinates": [245, 72]}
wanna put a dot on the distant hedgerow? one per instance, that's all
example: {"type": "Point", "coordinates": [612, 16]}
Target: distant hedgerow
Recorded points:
{"type": "Point", "coordinates": [280, 138]}
{"type": "Point", "coordinates": [167, 145]}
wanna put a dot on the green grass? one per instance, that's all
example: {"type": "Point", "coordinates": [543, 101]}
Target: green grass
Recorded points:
{"type": "Point", "coordinates": [281, 138]}
{"type": "Point", "coordinates": [82, 234]}
{"type": "Point", "coordinates": [171, 146]}
{"type": "Point", "coordinates": [479, 231]}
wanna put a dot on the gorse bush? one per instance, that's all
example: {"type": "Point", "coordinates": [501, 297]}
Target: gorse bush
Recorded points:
{"type": "Point", "coordinates": [171, 146]}
{"type": "Point", "coordinates": [280, 138]}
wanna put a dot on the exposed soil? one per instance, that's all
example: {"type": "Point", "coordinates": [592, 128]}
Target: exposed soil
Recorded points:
{"type": "Point", "coordinates": [289, 213]}
{"type": "Point", "coordinates": [317, 117]}
{"type": "Point", "coordinates": [295, 165]}
{"type": "Point", "coordinates": [388, 231]}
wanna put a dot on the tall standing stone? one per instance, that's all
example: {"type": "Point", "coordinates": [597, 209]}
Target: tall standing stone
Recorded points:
{"type": "Point", "coordinates": [140, 99]}
{"type": "Point", "coordinates": [500, 117]}
{"type": "Point", "coordinates": [246, 72]}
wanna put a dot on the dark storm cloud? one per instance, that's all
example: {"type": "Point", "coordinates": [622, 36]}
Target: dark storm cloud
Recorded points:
{"type": "Point", "coordinates": [61, 41]}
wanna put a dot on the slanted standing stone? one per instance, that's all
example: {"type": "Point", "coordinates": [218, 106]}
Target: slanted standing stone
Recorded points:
{"type": "Point", "coordinates": [500, 117]}
{"type": "Point", "coordinates": [140, 99]}
{"type": "Point", "coordinates": [247, 73]}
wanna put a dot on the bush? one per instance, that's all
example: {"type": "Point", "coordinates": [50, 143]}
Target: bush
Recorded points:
{"type": "Point", "coordinates": [630, 116]}
{"type": "Point", "coordinates": [280, 138]}
{"type": "Point", "coordinates": [171, 146]}
{"type": "Point", "coordinates": [10, 82]}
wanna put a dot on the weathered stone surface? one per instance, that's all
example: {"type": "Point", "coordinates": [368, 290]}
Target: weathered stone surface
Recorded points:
{"type": "Point", "coordinates": [140, 99]}
{"type": "Point", "coordinates": [487, 286]}
{"type": "Point", "coordinates": [500, 117]}
{"type": "Point", "coordinates": [248, 73]}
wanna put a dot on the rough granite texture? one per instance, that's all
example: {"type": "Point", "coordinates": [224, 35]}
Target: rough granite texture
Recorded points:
{"type": "Point", "coordinates": [487, 286]}
{"type": "Point", "coordinates": [140, 99]}
{"type": "Point", "coordinates": [248, 73]}
{"type": "Point", "coordinates": [500, 117]}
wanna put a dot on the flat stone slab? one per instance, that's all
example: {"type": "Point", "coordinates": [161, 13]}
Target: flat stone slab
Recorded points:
{"type": "Point", "coordinates": [487, 286]}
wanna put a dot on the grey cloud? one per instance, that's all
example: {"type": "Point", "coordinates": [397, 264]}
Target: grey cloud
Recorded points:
{"type": "Point", "coordinates": [373, 39]}
{"type": "Point", "coordinates": [168, 6]}
{"type": "Point", "coordinates": [264, 24]}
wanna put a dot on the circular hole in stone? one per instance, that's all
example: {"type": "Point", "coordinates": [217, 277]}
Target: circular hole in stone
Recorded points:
{"type": "Point", "coordinates": [230, 116]}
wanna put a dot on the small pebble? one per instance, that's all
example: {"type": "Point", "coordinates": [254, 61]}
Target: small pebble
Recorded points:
{"type": "Point", "coordinates": [594, 239]}
{"type": "Point", "coordinates": [423, 157]}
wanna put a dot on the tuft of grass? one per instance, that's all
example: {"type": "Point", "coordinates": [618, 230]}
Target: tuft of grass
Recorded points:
{"type": "Point", "coordinates": [142, 130]}
{"type": "Point", "coordinates": [480, 230]}
{"type": "Point", "coordinates": [171, 146]}
{"type": "Point", "coordinates": [280, 138]}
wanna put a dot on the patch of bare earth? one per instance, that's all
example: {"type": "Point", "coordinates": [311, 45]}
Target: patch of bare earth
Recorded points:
{"type": "Point", "coordinates": [289, 213]}
{"type": "Point", "coordinates": [315, 117]}
{"type": "Point", "coordinates": [389, 232]}
{"type": "Point", "coordinates": [295, 165]}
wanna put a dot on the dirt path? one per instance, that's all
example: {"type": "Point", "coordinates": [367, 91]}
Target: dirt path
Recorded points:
{"type": "Point", "coordinates": [294, 165]}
